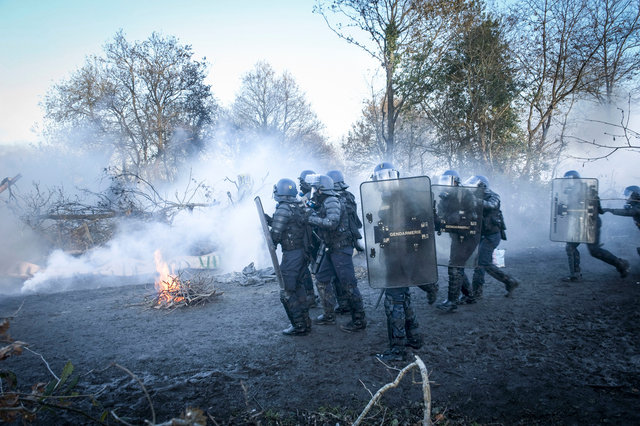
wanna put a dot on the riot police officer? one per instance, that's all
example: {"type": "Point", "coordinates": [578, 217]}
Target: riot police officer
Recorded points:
{"type": "Point", "coordinates": [631, 208]}
{"type": "Point", "coordinates": [288, 228]}
{"type": "Point", "coordinates": [349, 201]}
{"type": "Point", "coordinates": [331, 220]}
{"type": "Point", "coordinates": [594, 248]}
{"type": "Point", "coordinates": [402, 324]}
{"type": "Point", "coordinates": [457, 216]}
{"type": "Point", "coordinates": [492, 232]}
{"type": "Point", "coordinates": [305, 194]}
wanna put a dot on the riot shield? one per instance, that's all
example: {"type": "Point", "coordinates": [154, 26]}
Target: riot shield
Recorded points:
{"type": "Point", "coordinates": [269, 241]}
{"type": "Point", "coordinates": [574, 210]}
{"type": "Point", "coordinates": [459, 217]}
{"type": "Point", "coordinates": [399, 232]}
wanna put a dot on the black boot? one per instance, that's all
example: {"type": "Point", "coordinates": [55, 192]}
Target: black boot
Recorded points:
{"type": "Point", "coordinates": [477, 291]}
{"type": "Point", "coordinates": [296, 330]}
{"type": "Point", "coordinates": [357, 323]}
{"type": "Point", "coordinates": [623, 268]}
{"type": "Point", "coordinates": [393, 354]}
{"type": "Point", "coordinates": [432, 292]}
{"type": "Point", "coordinates": [447, 305]}
{"type": "Point", "coordinates": [511, 285]}
{"type": "Point", "coordinates": [326, 319]}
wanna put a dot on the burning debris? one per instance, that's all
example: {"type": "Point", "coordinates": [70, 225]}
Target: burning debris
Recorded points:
{"type": "Point", "coordinates": [174, 291]}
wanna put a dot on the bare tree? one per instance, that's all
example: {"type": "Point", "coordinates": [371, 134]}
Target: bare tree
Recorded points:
{"type": "Point", "coordinates": [146, 101]}
{"type": "Point", "coordinates": [273, 106]}
{"type": "Point", "coordinates": [617, 63]}
{"type": "Point", "coordinates": [396, 28]}
{"type": "Point", "coordinates": [555, 50]}
{"type": "Point", "coordinates": [619, 137]}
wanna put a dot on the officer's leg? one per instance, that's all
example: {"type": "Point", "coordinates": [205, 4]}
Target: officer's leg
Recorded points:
{"type": "Point", "coordinates": [341, 296]}
{"type": "Point", "coordinates": [606, 256]}
{"type": "Point", "coordinates": [485, 258]}
{"type": "Point", "coordinates": [394, 310]}
{"type": "Point", "coordinates": [573, 257]}
{"type": "Point", "coordinates": [326, 292]}
{"type": "Point", "coordinates": [307, 282]}
{"type": "Point", "coordinates": [451, 302]}
{"type": "Point", "coordinates": [343, 263]}
{"type": "Point", "coordinates": [293, 297]}
{"type": "Point", "coordinates": [414, 339]}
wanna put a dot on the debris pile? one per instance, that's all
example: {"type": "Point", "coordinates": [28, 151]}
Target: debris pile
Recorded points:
{"type": "Point", "coordinates": [176, 292]}
{"type": "Point", "coordinates": [250, 276]}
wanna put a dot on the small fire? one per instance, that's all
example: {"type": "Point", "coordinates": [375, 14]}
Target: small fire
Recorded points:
{"type": "Point", "coordinates": [167, 284]}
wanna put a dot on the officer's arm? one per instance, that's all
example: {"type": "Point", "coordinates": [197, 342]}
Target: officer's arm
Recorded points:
{"type": "Point", "coordinates": [332, 218]}
{"type": "Point", "coordinates": [491, 200]}
{"type": "Point", "coordinates": [279, 222]}
{"type": "Point", "coordinates": [622, 212]}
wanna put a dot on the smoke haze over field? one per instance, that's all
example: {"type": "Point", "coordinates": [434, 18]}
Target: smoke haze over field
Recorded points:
{"type": "Point", "coordinates": [230, 227]}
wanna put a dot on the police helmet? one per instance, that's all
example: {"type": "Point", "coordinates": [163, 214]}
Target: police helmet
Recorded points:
{"type": "Point", "coordinates": [338, 180]}
{"type": "Point", "coordinates": [633, 192]}
{"type": "Point", "coordinates": [572, 174]}
{"type": "Point", "coordinates": [477, 180]}
{"type": "Point", "coordinates": [384, 171]}
{"type": "Point", "coordinates": [285, 190]}
{"type": "Point", "coordinates": [450, 178]}
{"type": "Point", "coordinates": [304, 184]}
{"type": "Point", "coordinates": [324, 184]}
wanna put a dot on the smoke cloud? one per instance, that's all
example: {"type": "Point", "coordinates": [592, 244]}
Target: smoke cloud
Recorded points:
{"type": "Point", "coordinates": [229, 229]}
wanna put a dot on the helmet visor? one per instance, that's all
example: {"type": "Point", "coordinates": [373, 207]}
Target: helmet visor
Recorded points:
{"type": "Point", "coordinates": [385, 174]}
{"type": "Point", "coordinates": [446, 180]}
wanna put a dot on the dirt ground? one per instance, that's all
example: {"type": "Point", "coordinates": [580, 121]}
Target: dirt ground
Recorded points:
{"type": "Point", "coordinates": [555, 353]}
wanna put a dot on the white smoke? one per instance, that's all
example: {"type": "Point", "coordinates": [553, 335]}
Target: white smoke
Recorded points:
{"type": "Point", "coordinates": [228, 230]}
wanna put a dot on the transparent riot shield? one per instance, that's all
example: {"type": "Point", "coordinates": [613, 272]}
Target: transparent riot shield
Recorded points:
{"type": "Point", "coordinates": [574, 210]}
{"type": "Point", "coordinates": [269, 241]}
{"type": "Point", "coordinates": [459, 219]}
{"type": "Point", "coordinates": [399, 232]}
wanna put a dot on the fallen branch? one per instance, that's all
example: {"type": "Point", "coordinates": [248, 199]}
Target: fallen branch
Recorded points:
{"type": "Point", "coordinates": [144, 389]}
{"type": "Point", "coordinates": [426, 391]}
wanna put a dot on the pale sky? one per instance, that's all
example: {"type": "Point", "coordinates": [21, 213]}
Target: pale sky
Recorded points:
{"type": "Point", "coordinates": [42, 42]}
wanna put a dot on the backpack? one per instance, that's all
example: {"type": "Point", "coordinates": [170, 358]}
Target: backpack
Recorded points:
{"type": "Point", "coordinates": [354, 222]}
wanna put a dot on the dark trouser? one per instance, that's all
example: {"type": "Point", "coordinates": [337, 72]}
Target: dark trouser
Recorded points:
{"type": "Point", "coordinates": [488, 243]}
{"type": "Point", "coordinates": [460, 252]}
{"type": "Point", "coordinates": [338, 264]}
{"type": "Point", "coordinates": [595, 250]}
{"type": "Point", "coordinates": [401, 319]}
{"type": "Point", "coordinates": [294, 295]}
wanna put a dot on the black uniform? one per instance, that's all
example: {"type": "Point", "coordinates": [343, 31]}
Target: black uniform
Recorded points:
{"type": "Point", "coordinates": [459, 213]}
{"type": "Point", "coordinates": [595, 250]}
{"type": "Point", "coordinates": [331, 221]}
{"type": "Point", "coordinates": [632, 209]}
{"type": "Point", "coordinates": [401, 256]}
{"type": "Point", "coordinates": [492, 225]}
{"type": "Point", "coordinates": [290, 230]}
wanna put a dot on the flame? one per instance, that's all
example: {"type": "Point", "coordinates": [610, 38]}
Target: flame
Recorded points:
{"type": "Point", "coordinates": [167, 284]}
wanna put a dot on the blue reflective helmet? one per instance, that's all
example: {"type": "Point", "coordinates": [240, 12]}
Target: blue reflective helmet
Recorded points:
{"type": "Point", "coordinates": [338, 180]}
{"type": "Point", "coordinates": [450, 178]}
{"type": "Point", "coordinates": [477, 180]}
{"type": "Point", "coordinates": [384, 171]}
{"type": "Point", "coordinates": [304, 185]}
{"type": "Point", "coordinates": [572, 174]}
{"type": "Point", "coordinates": [285, 190]}
{"type": "Point", "coordinates": [323, 183]}
{"type": "Point", "coordinates": [633, 192]}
